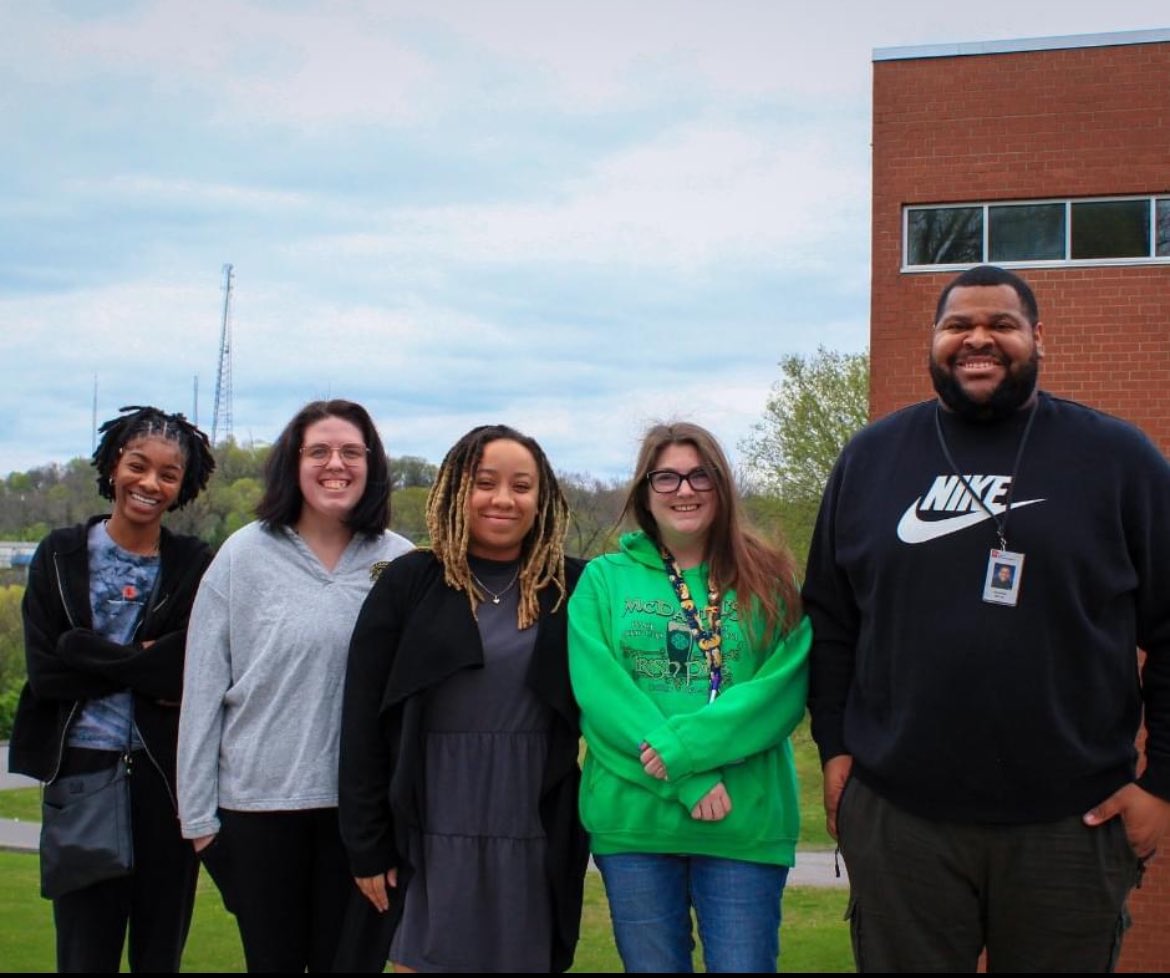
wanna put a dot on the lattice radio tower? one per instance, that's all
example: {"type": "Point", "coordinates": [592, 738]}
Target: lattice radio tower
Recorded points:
{"type": "Point", "coordinates": [221, 421]}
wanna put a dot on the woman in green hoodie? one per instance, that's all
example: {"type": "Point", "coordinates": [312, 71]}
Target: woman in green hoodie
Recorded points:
{"type": "Point", "coordinates": [688, 656]}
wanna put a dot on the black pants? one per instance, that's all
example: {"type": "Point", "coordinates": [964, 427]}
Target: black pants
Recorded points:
{"type": "Point", "coordinates": [286, 878]}
{"type": "Point", "coordinates": [155, 901]}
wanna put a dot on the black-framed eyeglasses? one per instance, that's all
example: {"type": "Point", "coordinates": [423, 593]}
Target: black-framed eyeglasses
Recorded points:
{"type": "Point", "coordinates": [320, 454]}
{"type": "Point", "coordinates": [667, 480]}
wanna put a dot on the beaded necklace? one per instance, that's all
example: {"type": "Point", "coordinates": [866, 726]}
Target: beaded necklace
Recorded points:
{"type": "Point", "coordinates": [710, 639]}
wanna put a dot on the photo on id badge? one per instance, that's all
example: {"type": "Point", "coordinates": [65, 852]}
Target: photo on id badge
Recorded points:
{"type": "Point", "coordinates": [1002, 583]}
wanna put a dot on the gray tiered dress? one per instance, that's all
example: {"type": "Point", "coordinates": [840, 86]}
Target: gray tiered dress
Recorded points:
{"type": "Point", "coordinates": [479, 900]}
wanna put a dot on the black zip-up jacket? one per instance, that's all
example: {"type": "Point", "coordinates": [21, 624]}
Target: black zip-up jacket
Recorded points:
{"type": "Point", "coordinates": [413, 632]}
{"type": "Point", "coordinates": [68, 662]}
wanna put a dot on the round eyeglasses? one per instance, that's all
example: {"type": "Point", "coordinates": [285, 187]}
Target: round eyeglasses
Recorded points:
{"type": "Point", "coordinates": [667, 480]}
{"type": "Point", "coordinates": [319, 455]}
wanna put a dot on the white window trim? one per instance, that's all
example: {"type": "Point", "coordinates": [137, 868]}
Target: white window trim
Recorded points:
{"type": "Point", "coordinates": [984, 205]}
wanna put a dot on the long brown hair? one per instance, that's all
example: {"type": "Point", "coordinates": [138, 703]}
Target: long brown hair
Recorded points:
{"type": "Point", "coordinates": [763, 575]}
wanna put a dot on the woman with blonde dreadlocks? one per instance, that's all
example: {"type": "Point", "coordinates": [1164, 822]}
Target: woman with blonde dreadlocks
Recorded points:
{"type": "Point", "coordinates": [459, 739]}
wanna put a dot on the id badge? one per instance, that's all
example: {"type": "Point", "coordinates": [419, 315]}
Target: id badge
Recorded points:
{"type": "Point", "coordinates": [1002, 584]}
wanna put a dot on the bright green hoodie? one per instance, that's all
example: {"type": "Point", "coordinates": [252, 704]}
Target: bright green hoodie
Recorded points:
{"type": "Point", "coordinates": [639, 676]}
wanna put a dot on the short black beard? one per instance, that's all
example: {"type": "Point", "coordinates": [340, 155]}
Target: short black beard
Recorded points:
{"type": "Point", "coordinates": [1013, 392]}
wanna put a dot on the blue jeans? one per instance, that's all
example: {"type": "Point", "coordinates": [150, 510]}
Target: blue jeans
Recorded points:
{"type": "Point", "coordinates": [737, 905]}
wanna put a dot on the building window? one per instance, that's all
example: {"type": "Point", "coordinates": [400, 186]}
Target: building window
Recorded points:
{"type": "Point", "coordinates": [945, 235]}
{"type": "Point", "coordinates": [1163, 231]}
{"type": "Point", "coordinates": [1111, 229]}
{"type": "Point", "coordinates": [1023, 232]}
{"type": "Point", "coordinates": [1123, 229]}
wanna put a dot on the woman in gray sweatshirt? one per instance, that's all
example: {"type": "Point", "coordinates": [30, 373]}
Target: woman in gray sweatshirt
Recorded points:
{"type": "Point", "coordinates": [266, 657]}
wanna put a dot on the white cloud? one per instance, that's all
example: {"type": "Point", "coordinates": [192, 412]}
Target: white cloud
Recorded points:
{"type": "Point", "coordinates": [697, 195]}
{"type": "Point", "coordinates": [574, 218]}
{"type": "Point", "coordinates": [304, 64]}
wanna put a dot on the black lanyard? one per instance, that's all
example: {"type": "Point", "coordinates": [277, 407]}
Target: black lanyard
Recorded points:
{"type": "Point", "coordinates": [1000, 524]}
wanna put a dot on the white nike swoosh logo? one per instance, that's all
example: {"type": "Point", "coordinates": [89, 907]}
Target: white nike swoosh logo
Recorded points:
{"type": "Point", "coordinates": [912, 529]}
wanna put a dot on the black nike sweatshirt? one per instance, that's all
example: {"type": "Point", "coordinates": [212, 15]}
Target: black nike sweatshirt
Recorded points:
{"type": "Point", "coordinates": [956, 708]}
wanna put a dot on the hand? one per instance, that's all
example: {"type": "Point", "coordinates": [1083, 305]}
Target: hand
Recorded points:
{"type": "Point", "coordinates": [836, 773]}
{"type": "Point", "coordinates": [714, 806]}
{"type": "Point", "coordinates": [374, 888]}
{"type": "Point", "coordinates": [199, 843]}
{"type": "Point", "coordinates": [653, 763]}
{"type": "Point", "coordinates": [1146, 817]}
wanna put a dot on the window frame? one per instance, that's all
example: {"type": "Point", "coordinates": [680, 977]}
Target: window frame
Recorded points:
{"type": "Point", "coordinates": [1153, 258]}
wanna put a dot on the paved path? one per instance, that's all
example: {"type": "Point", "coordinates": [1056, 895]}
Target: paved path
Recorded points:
{"type": "Point", "coordinates": [817, 868]}
{"type": "Point", "coordinates": [19, 836]}
{"type": "Point", "coordinates": [12, 780]}
{"type": "Point", "coordinates": [14, 834]}
{"type": "Point", "coordinates": [813, 867]}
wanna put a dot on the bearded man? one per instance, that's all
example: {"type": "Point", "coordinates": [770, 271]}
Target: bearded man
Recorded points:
{"type": "Point", "coordinates": [978, 739]}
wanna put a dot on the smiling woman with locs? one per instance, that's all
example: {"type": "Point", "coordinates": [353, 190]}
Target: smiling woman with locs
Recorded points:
{"type": "Point", "coordinates": [459, 744]}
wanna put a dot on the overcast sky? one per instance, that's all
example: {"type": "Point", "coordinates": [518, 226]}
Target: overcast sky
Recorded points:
{"type": "Point", "coordinates": [574, 218]}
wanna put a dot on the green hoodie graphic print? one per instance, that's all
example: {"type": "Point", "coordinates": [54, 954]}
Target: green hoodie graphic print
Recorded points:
{"type": "Point", "coordinates": [638, 676]}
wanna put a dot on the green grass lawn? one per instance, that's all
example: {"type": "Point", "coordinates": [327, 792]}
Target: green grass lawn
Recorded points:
{"type": "Point", "coordinates": [813, 833]}
{"type": "Point", "coordinates": [21, 803]}
{"type": "Point", "coordinates": [814, 938]}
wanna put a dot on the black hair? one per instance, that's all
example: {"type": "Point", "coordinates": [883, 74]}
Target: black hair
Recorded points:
{"type": "Point", "coordinates": [282, 500]}
{"type": "Point", "coordinates": [991, 275]}
{"type": "Point", "coordinates": [149, 422]}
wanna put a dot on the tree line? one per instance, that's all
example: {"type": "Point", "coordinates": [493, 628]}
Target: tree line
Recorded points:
{"type": "Point", "coordinates": [818, 402]}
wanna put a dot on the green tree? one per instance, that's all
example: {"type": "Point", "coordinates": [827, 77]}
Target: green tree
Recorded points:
{"type": "Point", "coordinates": [408, 514]}
{"type": "Point", "coordinates": [819, 402]}
{"type": "Point", "coordinates": [12, 668]}
{"type": "Point", "coordinates": [11, 635]}
{"type": "Point", "coordinates": [234, 461]}
{"type": "Point", "coordinates": [412, 472]}
{"type": "Point", "coordinates": [236, 504]}
{"type": "Point", "coordinates": [595, 508]}
{"type": "Point", "coordinates": [230, 499]}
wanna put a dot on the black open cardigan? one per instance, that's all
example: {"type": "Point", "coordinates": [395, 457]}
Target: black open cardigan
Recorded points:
{"type": "Point", "coordinates": [412, 633]}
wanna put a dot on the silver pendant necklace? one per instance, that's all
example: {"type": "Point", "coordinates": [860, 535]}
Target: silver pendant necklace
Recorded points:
{"type": "Point", "coordinates": [494, 595]}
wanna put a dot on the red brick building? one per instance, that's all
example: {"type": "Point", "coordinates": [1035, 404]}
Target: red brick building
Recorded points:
{"type": "Point", "coordinates": [1049, 156]}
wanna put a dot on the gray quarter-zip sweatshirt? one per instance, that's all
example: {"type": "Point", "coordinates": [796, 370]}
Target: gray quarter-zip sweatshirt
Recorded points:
{"type": "Point", "coordinates": [262, 688]}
